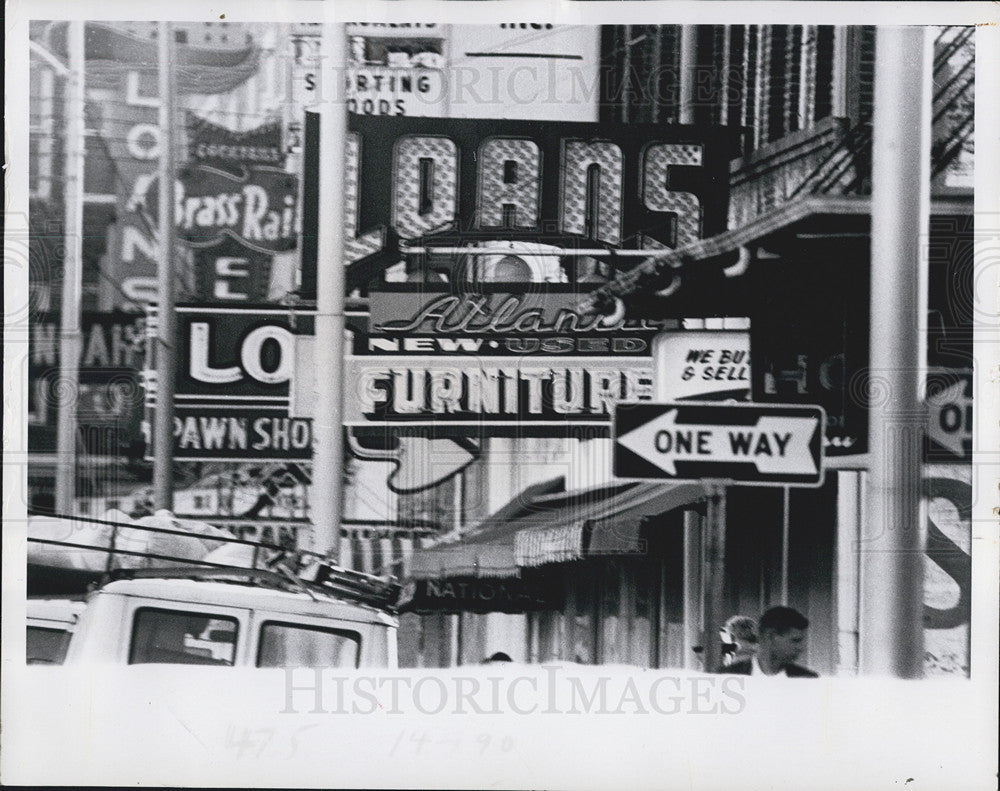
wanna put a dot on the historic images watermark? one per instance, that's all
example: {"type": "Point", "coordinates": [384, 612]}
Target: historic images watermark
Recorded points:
{"type": "Point", "coordinates": [548, 689]}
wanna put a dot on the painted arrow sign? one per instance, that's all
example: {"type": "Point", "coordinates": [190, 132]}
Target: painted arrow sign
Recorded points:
{"type": "Point", "coordinates": [752, 444]}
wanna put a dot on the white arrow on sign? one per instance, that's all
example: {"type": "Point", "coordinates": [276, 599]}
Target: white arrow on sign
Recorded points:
{"type": "Point", "coordinates": [948, 422]}
{"type": "Point", "coordinates": [776, 445]}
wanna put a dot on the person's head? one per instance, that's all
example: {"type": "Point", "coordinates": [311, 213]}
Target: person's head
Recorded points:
{"type": "Point", "coordinates": [782, 632]}
{"type": "Point", "coordinates": [499, 656]}
{"type": "Point", "coordinates": [742, 630]}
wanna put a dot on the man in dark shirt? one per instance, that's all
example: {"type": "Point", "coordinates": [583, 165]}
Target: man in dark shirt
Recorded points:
{"type": "Point", "coordinates": [781, 635]}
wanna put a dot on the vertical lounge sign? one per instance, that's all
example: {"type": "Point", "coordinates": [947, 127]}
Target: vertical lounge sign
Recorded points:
{"type": "Point", "coordinates": [122, 88]}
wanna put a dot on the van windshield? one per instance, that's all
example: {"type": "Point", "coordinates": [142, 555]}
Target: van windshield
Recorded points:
{"type": "Point", "coordinates": [300, 645]}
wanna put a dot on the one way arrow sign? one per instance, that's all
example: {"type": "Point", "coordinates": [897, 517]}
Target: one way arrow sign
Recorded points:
{"type": "Point", "coordinates": [753, 444]}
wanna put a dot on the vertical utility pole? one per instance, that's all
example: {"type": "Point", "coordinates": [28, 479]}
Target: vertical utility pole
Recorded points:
{"type": "Point", "coordinates": [785, 537]}
{"type": "Point", "coordinates": [166, 347]}
{"type": "Point", "coordinates": [657, 65]}
{"type": "Point", "coordinates": [70, 339]}
{"type": "Point", "coordinates": [688, 73]}
{"type": "Point", "coordinates": [715, 568]}
{"type": "Point", "coordinates": [328, 453]}
{"type": "Point", "coordinates": [693, 592]}
{"type": "Point", "coordinates": [693, 569]}
{"type": "Point", "coordinates": [986, 471]}
{"type": "Point", "coordinates": [891, 552]}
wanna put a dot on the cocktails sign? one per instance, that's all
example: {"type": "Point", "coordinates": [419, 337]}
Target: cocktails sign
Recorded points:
{"type": "Point", "coordinates": [211, 144]}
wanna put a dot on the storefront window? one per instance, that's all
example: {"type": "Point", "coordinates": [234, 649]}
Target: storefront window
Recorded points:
{"type": "Point", "coordinates": [643, 585]}
{"type": "Point", "coordinates": [613, 628]}
{"type": "Point", "coordinates": [547, 636]}
{"type": "Point", "coordinates": [582, 612]}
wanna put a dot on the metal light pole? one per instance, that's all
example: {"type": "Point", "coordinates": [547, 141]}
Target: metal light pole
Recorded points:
{"type": "Point", "coordinates": [166, 360]}
{"type": "Point", "coordinates": [70, 339]}
{"type": "Point", "coordinates": [891, 554]}
{"type": "Point", "coordinates": [328, 454]}
{"type": "Point", "coordinates": [694, 593]}
{"type": "Point", "coordinates": [697, 583]}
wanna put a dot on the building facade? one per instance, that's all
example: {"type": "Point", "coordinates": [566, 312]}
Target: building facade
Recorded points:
{"type": "Point", "coordinates": [799, 240]}
{"type": "Point", "coordinates": [582, 569]}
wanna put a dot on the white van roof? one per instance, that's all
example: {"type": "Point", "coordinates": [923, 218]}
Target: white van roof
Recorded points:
{"type": "Point", "coordinates": [59, 612]}
{"type": "Point", "coordinates": [254, 597]}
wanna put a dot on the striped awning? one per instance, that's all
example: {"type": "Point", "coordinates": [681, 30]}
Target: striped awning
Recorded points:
{"type": "Point", "coordinates": [488, 549]}
{"type": "Point", "coordinates": [380, 555]}
{"type": "Point", "coordinates": [609, 525]}
{"type": "Point", "coordinates": [556, 528]}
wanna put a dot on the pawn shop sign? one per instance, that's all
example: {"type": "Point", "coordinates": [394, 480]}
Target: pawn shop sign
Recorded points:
{"type": "Point", "coordinates": [748, 444]}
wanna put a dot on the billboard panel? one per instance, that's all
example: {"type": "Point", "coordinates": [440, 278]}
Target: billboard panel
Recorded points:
{"type": "Point", "coordinates": [533, 71]}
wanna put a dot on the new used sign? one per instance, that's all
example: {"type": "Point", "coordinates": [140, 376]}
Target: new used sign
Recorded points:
{"type": "Point", "coordinates": [755, 444]}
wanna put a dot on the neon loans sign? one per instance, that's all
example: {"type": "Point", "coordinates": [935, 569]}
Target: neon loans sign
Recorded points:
{"type": "Point", "coordinates": [637, 185]}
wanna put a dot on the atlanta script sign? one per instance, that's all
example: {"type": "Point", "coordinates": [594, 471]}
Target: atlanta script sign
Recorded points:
{"type": "Point", "coordinates": [751, 444]}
